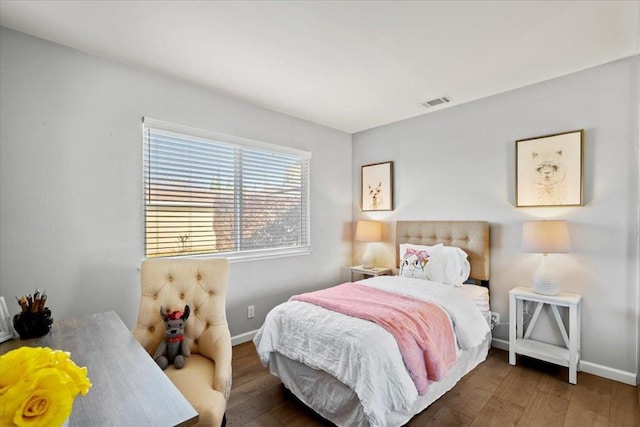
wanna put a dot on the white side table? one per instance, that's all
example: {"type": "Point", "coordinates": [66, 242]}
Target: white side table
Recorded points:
{"type": "Point", "coordinates": [520, 341]}
{"type": "Point", "coordinates": [369, 272]}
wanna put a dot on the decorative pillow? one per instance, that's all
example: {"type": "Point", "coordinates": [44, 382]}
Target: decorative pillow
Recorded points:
{"type": "Point", "coordinates": [439, 263]}
{"type": "Point", "coordinates": [416, 259]}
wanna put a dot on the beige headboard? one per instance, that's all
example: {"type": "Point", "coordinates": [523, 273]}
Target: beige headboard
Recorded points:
{"type": "Point", "coordinates": [470, 236]}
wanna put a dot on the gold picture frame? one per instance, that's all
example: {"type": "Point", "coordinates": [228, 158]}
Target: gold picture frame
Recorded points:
{"type": "Point", "coordinates": [549, 170]}
{"type": "Point", "coordinates": [376, 189]}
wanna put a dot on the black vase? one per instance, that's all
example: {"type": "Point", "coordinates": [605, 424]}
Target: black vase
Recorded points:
{"type": "Point", "coordinates": [33, 325]}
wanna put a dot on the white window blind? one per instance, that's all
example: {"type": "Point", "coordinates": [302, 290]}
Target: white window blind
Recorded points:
{"type": "Point", "coordinates": [217, 194]}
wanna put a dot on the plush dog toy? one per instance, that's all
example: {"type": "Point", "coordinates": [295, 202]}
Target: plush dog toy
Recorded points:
{"type": "Point", "coordinates": [174, 349]}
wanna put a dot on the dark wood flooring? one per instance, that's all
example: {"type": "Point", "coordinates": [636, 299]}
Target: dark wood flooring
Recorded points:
{"type": "Point", "coordinates": [532, 393]}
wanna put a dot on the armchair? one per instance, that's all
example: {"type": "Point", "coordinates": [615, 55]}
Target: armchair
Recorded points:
{"type": "Point", "coordinates": [205, 381]}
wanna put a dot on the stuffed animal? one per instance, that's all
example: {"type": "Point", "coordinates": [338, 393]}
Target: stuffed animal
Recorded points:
{"type": "Point", "coordinates": [174, 349]}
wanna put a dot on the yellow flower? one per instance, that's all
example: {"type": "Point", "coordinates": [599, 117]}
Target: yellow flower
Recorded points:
{"type": "Point", "coordinates": [16, 363]}
{"type": "Point", "coordinates": [38, 386]}
{"type": "Point", "coordinates": [77, 374]}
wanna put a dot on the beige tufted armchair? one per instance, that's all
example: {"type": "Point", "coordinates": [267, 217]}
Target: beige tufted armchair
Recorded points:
{"type": "Point", "coordinates": [201, 283]}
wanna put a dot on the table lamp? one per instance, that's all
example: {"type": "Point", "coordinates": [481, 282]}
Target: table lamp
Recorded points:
{"type": "Point", "coordinates": [368, 231]}
{"type": "Point", "coordinates": [545, 237]}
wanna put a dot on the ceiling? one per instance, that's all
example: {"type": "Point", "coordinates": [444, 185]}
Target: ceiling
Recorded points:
{"type": "Point", "coordinates": [350, 65]}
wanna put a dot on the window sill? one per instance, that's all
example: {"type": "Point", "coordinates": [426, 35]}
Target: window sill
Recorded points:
{"type": "Point", "coordinates": [237, 257]}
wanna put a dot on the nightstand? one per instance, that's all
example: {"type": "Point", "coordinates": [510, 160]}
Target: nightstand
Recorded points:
{"type": "Point", "coordinates": [369, 272]}
{"type": "Point", "coordinates": [520, 341]}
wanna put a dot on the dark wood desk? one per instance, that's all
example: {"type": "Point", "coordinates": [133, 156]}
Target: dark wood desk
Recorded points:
{"type": "Point", "coordinates": [129, 389]}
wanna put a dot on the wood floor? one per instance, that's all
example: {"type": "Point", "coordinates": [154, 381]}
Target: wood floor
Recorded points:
{"type": "Point", "coordinates": [532, 393]}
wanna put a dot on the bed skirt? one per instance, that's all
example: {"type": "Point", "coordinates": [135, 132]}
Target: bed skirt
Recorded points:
{"type": "Point", "coordinates": [338, 403]}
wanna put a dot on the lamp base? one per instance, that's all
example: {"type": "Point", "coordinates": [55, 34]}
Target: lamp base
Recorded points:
{"type": "Point", "coordinates": [545, 280]}
{"type": "Point", "coordinates": [368, 260]}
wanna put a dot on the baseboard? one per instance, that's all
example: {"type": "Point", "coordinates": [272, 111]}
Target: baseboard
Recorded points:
{"type": "Point", "coordinates": [501, 344]}
{"type": "Point", "coordinates": [242, 338]}
{"type": "Point", "coordinates": [588, 367]}
{"type": "Point", "coordinates": [607, 372]}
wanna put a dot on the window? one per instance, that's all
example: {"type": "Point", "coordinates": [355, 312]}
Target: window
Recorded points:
{"type": "Point", "coordinates": [215, 194]}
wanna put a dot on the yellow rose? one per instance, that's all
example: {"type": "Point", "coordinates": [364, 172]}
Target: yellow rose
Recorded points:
{"type": "Point", "coordinates": [41, 399]}
{"type": "Point", "coordinates": [38, 387]}
{"type": "Point", "coordinates": [16, 363]}
{"type": "Point", "coordinates": [77, 374]}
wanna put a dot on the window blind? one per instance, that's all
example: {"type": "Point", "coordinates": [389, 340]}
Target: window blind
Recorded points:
{"type": "Point", "coordinates": [215, 196]}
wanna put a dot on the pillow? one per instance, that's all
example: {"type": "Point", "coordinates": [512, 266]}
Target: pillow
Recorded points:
{"type": "Point", "coordinates": [415, 260]}
{"type": "Point", "coordinates": [439, 263]}
{"type": "Point", "coordinates": [456, 267]}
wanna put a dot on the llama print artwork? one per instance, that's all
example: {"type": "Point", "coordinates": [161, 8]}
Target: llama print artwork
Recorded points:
{"type": "Point", "coordinates": [549, 170]}
{"type": "Point", "coordinates": [377, 187]}
{"type": "Point", "coordinates": [376, 199]}
{"type": "Point", "coordinates": [549, 177]}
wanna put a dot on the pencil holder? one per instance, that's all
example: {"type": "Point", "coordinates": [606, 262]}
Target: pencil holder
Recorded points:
{"type": "Point", "coordinates": [33, 325]}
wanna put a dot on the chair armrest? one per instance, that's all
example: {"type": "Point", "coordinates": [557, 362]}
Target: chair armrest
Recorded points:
{"type": "Point", "coordinates": [221, 355]}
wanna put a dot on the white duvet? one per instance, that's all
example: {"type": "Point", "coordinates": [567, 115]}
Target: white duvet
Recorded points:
{"type": "Point", "coordinates": [359, 353]}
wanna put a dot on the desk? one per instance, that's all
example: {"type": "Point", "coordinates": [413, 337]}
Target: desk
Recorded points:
{"type": "Point", "coordinates": [129, 389]}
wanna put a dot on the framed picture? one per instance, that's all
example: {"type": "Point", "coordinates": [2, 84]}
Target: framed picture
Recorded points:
{"type": "Point", "coordinates": [376, 192]}
{"type": "Point", "coordinates": [6, 330]}
{"type": "Point", "coordinates": [549, 170]}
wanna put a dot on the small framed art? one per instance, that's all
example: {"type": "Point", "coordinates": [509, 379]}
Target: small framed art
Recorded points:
{"type": "Point", "coordinates": [549, 170]}
{"type": "Point", "coordinates": [377, 187]}
{"type": "Point", "coordinates": [6, 330]}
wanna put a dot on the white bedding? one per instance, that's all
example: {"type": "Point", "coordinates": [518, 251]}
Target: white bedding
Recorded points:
{"type": "Point", "coordinates": [356, 351]}
{"type": "Point", "coordinates": [339, 404]}
{"type": "Point", "coordinates": [479, 295]}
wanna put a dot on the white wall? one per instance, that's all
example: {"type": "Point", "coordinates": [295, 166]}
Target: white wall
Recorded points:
{"type": "Point", "coordinates": [71, 218]}
{"type": "Point", "coordinates": [71, 212]}
{"type": "Point", "coordinates": [458, 164]}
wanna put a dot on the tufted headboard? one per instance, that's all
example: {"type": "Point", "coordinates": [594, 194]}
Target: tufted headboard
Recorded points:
{"type": "Point", "coordinates": [470, 236]}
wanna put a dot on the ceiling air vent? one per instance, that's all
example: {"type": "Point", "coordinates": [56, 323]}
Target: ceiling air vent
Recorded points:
{"type": "Point", "coordinates": [436, 102]}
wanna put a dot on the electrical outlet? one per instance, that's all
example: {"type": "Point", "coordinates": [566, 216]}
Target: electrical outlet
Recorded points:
{"type": "Point", "coordinates": [495, 318]}
{"type": "Point", "coordinates": [251, 312]}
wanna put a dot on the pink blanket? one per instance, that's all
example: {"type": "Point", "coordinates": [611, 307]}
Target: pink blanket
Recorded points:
{"type": "Point", "coordinates": [422, 329]}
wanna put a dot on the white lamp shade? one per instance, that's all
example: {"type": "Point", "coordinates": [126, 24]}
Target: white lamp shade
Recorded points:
{"type": "Point", "coordinates": [368, 231]}
{"type": "Point", "coordinates": [545, 237]}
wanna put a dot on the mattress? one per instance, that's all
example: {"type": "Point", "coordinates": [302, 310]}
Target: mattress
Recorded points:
{"type": "Point", "coordinates": [479, 295]}
{"type": "Point", "coordinates": [333, 362]}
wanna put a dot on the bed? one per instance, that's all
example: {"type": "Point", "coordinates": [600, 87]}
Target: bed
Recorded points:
{"type": "Point", "coordinates": [350, 370]}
